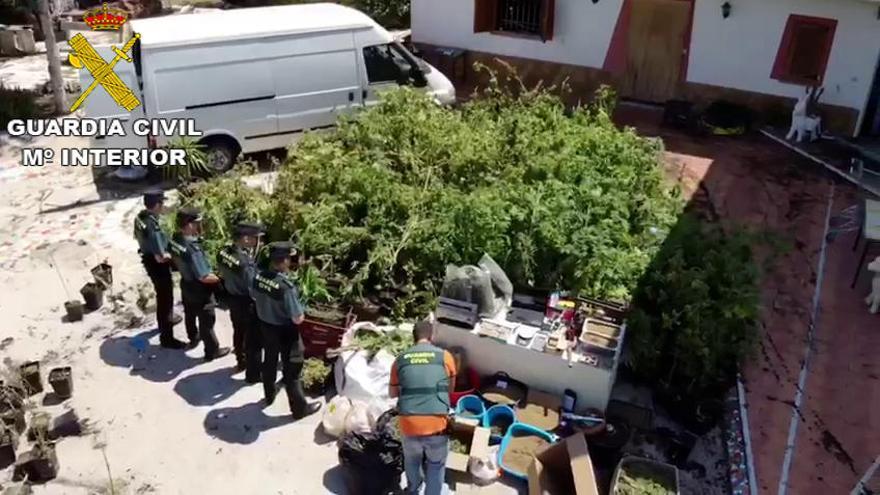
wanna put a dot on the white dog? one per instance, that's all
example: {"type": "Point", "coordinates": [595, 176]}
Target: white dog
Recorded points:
{"type": "Point", "coordinates": [804, 121]}
{"type": "Point", "coordinates": [873, 298]}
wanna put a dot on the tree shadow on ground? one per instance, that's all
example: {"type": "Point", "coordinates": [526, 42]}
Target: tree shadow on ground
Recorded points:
{"type": "Point", "coordinates": [242, 424]}
{"type": "Point", "coordinates": [207, 389]}
{"type": "Point", "coordinates": [144, 359]}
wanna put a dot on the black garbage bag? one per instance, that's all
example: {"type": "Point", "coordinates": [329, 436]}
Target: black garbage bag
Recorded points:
{"type": "Point", "coordinates": [374, 460]}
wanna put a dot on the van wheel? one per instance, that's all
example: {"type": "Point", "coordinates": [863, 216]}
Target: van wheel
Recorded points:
{"type": "Point", "coordinates": [219, 156]}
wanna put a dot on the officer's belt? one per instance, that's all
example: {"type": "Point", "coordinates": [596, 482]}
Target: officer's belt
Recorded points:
{"type": "Point", "coordinates": [423, 390]}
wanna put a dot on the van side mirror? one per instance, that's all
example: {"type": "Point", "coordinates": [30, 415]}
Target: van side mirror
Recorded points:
{"type": "Point", "coordinates": [418, 77]}
{"type": "Point", "coordinates": [404, 73]}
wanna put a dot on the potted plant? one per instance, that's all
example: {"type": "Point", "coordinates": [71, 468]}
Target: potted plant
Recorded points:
{"type": "Point", "coordinates": [314, 376]}
{"type": "Point", "coordinates": [61, 381]}
{"type": "Point", "coordinates": [8, 444]}
{"type": "Point", "coordinates": [30, 377]}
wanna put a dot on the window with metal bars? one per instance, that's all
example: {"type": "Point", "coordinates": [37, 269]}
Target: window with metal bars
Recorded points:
{"type": "Point", "coordinates": [519, 16]}
{"type": "Point", "coordinates": [527, 17]}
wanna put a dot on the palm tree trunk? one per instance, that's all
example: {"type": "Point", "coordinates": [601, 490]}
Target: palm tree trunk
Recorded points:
{"type": "Point", "coordinates": [55, 78]}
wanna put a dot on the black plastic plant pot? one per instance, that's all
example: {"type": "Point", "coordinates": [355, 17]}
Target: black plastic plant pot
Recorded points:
{"type": "Point", "coordinates": [75, 310]}
{"type": "Point", "coordinates": [43, 465]}
{"type": "Point", "coordinates": [61, 381]}
{"type": "Point", "coordinates": [8, 444]}
{"type": "Point", "coordinates": [30, 377]}
{"type": "Point", "coordinates": [93, 294]}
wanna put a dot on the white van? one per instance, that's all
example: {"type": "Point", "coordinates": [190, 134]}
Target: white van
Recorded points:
{"type": "Point", "coordinates": [254, 79]}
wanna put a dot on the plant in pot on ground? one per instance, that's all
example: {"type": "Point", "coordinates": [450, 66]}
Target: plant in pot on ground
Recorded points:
{"type": "Point", "coordinates": [314, 375]}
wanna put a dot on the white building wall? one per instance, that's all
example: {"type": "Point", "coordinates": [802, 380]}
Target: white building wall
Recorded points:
{"type": "Point", "coordinates": [582, 31]}
{"type": "Point", "coordinates": [737, 52]}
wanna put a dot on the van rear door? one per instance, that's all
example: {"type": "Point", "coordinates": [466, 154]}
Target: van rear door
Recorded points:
{"type": "Point", "coordinates": [100, 105]}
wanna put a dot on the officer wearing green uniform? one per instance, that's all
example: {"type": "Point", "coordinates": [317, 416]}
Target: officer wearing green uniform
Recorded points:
{"type": "Point", "coordinates": [197, 283]}
{"type": "Point", "coordinates": [237, 269]}
{"type": "Point", "coordinates": [422, 378]}
{"type": "Point", "coordinates": [280, 312]}
{"type": "Point", "coordinates": [153, 248]}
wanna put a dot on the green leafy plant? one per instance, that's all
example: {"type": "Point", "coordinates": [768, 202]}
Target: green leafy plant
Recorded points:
{"type": "Point", "coordinates": [395, 342]}
{"type": "Point", "coordinates": [314, 374]}
{"type": "Point", "coordinates": [17, 104]}
{"type": "Point", "coordinates": [195, 164]}
{"type": "Point", "coordinates": [311, 285]}
{"type": "Point", "coordinates": [696, 312]}
{"type": "Point", "coordinates": [560, 198]}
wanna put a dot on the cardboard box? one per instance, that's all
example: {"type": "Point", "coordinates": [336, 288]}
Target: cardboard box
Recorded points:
{"type": "Point", "coordinates": [474, 436]}
{"type": "Point", "coordinates": [563, 468]}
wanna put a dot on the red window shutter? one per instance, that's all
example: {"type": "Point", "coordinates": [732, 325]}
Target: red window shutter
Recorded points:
{"type": "Point", "coordinates": [485, 15]}
{"type": "Point", "coordinates": [804, 50]}
{"type": "Point", "coordinates": [548, 13]}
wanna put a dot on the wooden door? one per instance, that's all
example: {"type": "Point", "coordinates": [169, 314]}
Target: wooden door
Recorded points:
{"type": "Point", "coordinates": [656, 45]}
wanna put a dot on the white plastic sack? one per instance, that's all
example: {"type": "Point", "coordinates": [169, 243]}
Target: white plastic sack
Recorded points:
{"type": "Point", "coordinates": [485, 470]}
{"type": "Point", "coordinates": [360, 378]}
{"type": "Point", "coordinates": [359, 419]}
{"type": "Point", "coordinates": [499, 279]}
{"type": "Point", "coordinates": [335, 414]}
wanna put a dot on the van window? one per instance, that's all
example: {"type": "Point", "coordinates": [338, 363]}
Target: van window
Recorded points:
{"type": "Point", "coordinates": [385, 62]}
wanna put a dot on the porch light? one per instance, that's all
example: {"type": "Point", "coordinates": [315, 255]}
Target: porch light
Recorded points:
{"type": "Point", "coordinates": [725, 10]}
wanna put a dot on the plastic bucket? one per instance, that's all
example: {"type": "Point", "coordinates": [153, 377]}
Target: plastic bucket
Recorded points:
{"type": "Point", "coordinates": [74, 310]}
{"type": "Point", "coordinates": [470, 406]}
{"type": "Point", "coordinates": [499, 414]}
{"type": "Point", "coordinates": [474, 385]}
{"type": "Point", "coordinates": [93, 294]}
{"type": "Point", "coordinates": [519, 430]}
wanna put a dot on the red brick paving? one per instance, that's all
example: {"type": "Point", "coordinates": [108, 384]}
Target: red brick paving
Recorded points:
{"type": "Point", "coordinates": [756, 182]}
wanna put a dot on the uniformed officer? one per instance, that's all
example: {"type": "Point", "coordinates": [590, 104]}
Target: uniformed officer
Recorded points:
{"type": "Point", "coordinates": [197, 283]}
{"type": "Point", "coordinates": [280, 312]}
{"type": "Point", "coordinates": [153, 248]}
{"type": "Point", "coordinates": [422, 378]}
{"type": "Point", "coordinates": [237, 269]}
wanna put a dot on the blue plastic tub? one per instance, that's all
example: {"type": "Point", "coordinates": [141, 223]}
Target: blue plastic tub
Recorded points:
{"type": "Point", "coordinates": [518, 430]}
{"type": "Point", "coordinates": [470, 406]}
{"type": "Point", "coordinates": [495, 413]}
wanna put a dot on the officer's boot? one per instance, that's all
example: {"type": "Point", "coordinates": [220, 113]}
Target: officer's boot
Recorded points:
{"type": "Point", "coordinates": [299, 406]}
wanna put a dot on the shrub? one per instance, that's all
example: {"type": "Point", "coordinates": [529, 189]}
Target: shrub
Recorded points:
{"type": "Point", "coordinates": [406, 187]}
{"type": "Point", "coordinates": [195, 164]}
{"type": "Point", "coordinates": [17, 104]}
{"type": "Point", "coordinates": [696, 315]}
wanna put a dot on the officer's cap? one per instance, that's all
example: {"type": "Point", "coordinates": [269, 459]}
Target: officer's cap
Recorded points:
{"type": "Point", "coordinates": [188, 215]}
{"type": "Point", "coordinates": [281, 250]}
{"type": "Point", "coordinates": [153, 197]}
{"type": "Point", "coordinates": [248, 228]}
